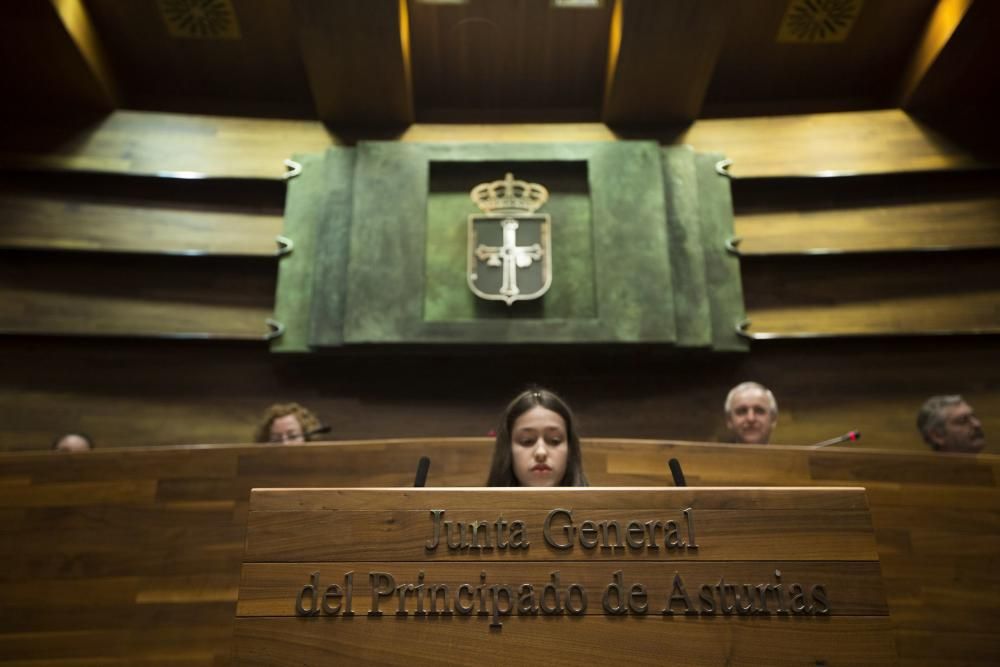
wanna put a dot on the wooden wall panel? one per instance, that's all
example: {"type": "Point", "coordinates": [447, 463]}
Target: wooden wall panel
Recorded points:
{"type": "Point", "coordinates": [257, 71]}
{"type": "Point", "coordinates": [867, 645]}
{"type": "Point", "coordinates": [897, 212]}
{"type": "Point", "coordinates": [965, 223]}
{"type": "Point", "coordinates": [41, 223]}
{"type": "Point", "coordinates": [147, 143]}
{"type": "Point", "coordinates": [899, 294]}
{"type": "Point", "coordinates": [127, 393]}
{"type": "Point", "coordinates": [754, 67]}
{"type": "Point", "coordinates": [662, 59]}
{"type": "Point", "coordinates": [368, 41]}
{"type": "Point", "coordinates": [126, 296]}
{"type": "Point", "coordinates": [486, 60]}
{"type": "Point", "coordinates": [151, 575]}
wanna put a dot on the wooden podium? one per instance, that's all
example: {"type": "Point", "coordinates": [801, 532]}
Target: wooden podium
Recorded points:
{"type": "Point", "coordinates": [476, 576]}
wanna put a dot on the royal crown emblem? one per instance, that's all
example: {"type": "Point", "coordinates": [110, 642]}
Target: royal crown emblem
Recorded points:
{"type": "Point", "coordinates": [510, 253]}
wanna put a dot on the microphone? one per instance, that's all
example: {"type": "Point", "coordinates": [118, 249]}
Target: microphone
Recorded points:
{"type": "Point", "coordinates": [422, 467]}
{"type": "Point", "coordinates": [678, 474]}
{"type": "Point", "coordinates": [318, 431]}
{"type": "Point", "coordinates": [850, 435]}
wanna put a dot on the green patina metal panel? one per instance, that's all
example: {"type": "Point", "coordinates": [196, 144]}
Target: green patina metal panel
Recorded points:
{"type": "Point", "coordinates": [385, 277]}
{"type": "Point", "coordinates": [725, 286]}
{"type": "Point", "coordinates": [687, 257]}
{"type": "Point", "coordinates": [305, 215]}
{"type": "Point", "coordinates": [381, 241]}
{"type": "Point", "coordinates": [633, 278]}
{"type": "Point", "coordinates": [333, 250]}
{"type": "Point", "coordinates": [396, 230]}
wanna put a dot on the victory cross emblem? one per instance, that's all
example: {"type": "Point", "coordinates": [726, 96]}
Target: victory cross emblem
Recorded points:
{"type": "Point", "coordinates": [510, 254]}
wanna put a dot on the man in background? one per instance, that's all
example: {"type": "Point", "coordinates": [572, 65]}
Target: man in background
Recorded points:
{"type": "Point", "coordinates": [751, 413]}
{"type": "Point", "coordinates": [73, 442]}
{"type": "Point", "coordinates": [949, 424]}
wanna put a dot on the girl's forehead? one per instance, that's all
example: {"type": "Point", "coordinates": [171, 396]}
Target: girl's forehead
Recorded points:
{"type": "Point", "coordinates": [539, 417]}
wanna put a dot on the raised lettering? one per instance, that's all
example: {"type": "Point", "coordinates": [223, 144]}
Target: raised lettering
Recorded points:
{"type": "Point", "coordinates": [588, 534]}
{"type": "Point", "coordinates": [707, 600]}
{"type": "Point", "coordinates": [615, 589]}
{"type": "Point", "coordinates": [526, 601]}
{"type": "Point", "coordinates": [673, 538]}
{"type": "Point", "coordinates": [312, 589]}
{"type": "Point", "coordinates": [382, 585]}
{"type": "Point", "coordinates": [739, 598]}
{"type": "Point", "coordinates": [637, 599]}
{"type": "Point", "coordinates": [635, 536]}
{"type": "Point", "coordinates": [475, 528]}
{"type": "Point", "coordinates": [678, 594]}
{"type": "Point", "coordinates": [435, 591]}
{"type": "Point", "coordinates": [566, 527]}
{"type": "Point", "coordinates": [651, 541]}
{"type": "Point", "coordinates": [692, 543]}
{"type": "Point", "coordinates": [580, 608]}
{"type": "Point", "coordinates": [495, 591]}
{"type": "Point", "coordinates": [500, 526]}
{"type": "Point", "coordinates": [798, 599]}
{"type": "Point", "coordinates": [432, 543]}
{"type": "Point", "coordinates": [517, 540]}
{"type": "Point", "coordinates": [606, 535]}
{"type": "Point", "coordinates": [333, 592]}
{"type": "Point", "coordinates": [551, 587]}
{"type": "Point", "coordinates": [456, 540]}
{"type": "Point", "coordinates": [818, 594]}
{"type": "Point", "coordinates": [460, 608]}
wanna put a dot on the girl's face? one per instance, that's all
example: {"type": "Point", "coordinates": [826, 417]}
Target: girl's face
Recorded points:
{"type": "Point", "coordinates": [538, 448]}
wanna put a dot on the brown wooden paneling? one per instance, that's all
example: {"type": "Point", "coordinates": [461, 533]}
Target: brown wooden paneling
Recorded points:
{"type": "Point", "coordinates": [155, 574]}
{"type": "Point", "coordinates": [824, 499]}
{"type": "Point", "coordinates": [127, 393]}
{"type": "Point", "coordinates": [754, 68]}
{"type": "Point", "coordinates": [366, 39]}
{"type": "Point", "coordinates": [55, 65]}
{"type": "Point", "coordinates": [953, 61]}
{"type": "Point", "coordinates": [859, 142]}
{"type": "Point", "coordinates": [950, 293]}
{"type": "Point", "coordinates": [860, 641]}
{"type": "Point", "coordinates": [40, 222]}
{"type": "Point", "coordinates": [390, 545]}
{"type": "Point", "coordinates": [966, 223]}
{"type": "Point", "coordinates": [663, 56]}
{"type": "Point", "coordinates": [257, 72]}
{"type": "Point", "coordinates": [125, 296]}
{"type": "Point", "coordinates": [489, 61]}
{"type": "Point", "coordinates": [147, 143]}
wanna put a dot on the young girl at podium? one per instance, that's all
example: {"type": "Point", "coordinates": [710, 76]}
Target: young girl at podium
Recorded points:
{"type": "Point", "coordinates": [537, 444]}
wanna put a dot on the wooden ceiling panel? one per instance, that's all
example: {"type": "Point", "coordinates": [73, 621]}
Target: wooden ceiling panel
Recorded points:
{"type": "Point", "coordinates": [664, 59]}
{"type": "Point", "coordinates": [356, 56]}
{"type": "Point", "coordinates": [390, 62]}
{"type": "Point", "coordinates": [507, 60]}
{"type": "Point", "coordinates": [966, 65]}
{"type": "Point", "coordinates": [757, 74]}
{"type": "Point", "coordinates": [52, 63]}
{"type": "Point", "coordinates": [259, 72]}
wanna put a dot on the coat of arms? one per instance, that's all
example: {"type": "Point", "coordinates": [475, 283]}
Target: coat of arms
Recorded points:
{"type": "Point", "coordinates": [510, 251]}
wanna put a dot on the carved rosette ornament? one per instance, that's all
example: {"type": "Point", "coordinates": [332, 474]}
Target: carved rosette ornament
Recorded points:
{"type": "Point", "coordinates": [510, 249]}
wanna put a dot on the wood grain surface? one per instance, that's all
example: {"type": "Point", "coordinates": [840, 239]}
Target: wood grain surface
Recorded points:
{"type": "Point", "coordinates": [292, 641]}
{"type": "Point", "coordinates": [141, 548]}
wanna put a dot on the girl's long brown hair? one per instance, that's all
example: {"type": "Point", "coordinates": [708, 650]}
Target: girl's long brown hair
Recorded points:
{"type": "Point", "coordinates": [502, 469]}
